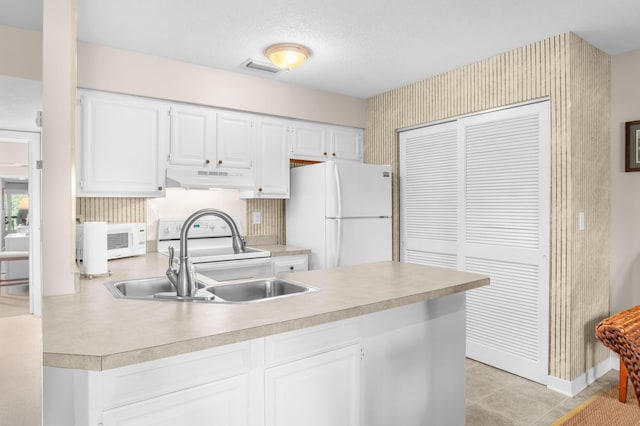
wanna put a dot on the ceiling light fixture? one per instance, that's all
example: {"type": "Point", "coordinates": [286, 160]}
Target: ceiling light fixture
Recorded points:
{"type": "Point", "coordinates": [287, 55]}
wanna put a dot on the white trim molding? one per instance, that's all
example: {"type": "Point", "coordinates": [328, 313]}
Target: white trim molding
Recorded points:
{"type": "Point", "coordinates": [577, 385]}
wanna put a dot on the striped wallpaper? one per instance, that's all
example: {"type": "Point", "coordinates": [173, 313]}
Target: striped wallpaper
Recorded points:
{"type": "Point", "coordinates": [111, 210]}
{"type": "Point", "coordinates": [574, 76]}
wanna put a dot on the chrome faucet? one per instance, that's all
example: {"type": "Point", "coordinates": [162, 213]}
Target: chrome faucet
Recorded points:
{"type": "Point", "coordinates": [183, 279]}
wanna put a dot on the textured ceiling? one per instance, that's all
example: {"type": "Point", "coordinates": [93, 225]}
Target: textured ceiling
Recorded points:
{"type": "Point", "coordinates": [360, 47]}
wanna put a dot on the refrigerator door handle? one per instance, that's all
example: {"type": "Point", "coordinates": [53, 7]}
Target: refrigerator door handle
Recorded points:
{"type": "Point", "coordinates": [338, 192]}
{"type": "Point", "coordinates": [339, 243]}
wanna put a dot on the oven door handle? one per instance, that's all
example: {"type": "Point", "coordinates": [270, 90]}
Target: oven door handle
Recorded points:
{"type": "Point", "coordinates": [230, 264]}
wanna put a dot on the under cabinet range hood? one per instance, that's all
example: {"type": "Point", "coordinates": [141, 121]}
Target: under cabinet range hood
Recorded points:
{"type": "Point", "coordinates": [207, 178]}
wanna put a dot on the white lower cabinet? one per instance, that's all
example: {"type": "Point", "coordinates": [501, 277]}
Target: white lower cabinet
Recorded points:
{"type": "Point", "coordinates": [296, 263]}
{"type": "Point", "coordinates": [218, 386]}
{"type": "Point", "coordinates": [224, 402]}
{"type": "Point", "coordinates": [413, 371]}
{"type": "Point", "coordinates": [403, 366]}
{"type": "Point", "coordinates": [315, 391]}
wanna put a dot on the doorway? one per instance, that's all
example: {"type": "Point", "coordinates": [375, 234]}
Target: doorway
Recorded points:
{"type": "Point", "coordinates": [21, 220]}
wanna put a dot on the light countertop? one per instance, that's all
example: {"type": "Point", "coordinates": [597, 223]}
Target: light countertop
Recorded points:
{"type": "Point", "coordinates": [92, 330]}
{"type": "Point", "coordinates": [281, 250]}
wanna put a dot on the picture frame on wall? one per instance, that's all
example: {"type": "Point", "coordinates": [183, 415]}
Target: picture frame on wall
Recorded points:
{"type": "Point", "coordinates": [632, 146]}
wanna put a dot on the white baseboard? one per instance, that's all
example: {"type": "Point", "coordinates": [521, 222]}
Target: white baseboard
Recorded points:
{"type": "Point", "coordinates": [574, 387]}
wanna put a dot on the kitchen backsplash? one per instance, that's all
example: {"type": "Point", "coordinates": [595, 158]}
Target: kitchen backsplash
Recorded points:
{"type": "Point", "coordinates": [273, 221]}
{"type": "Point", "coordinates": [123, 210]}
{"type": "Point", "coordinates": [111, 210]}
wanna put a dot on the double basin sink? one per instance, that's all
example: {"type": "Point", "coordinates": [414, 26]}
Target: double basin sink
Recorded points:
{"type": "Point", "coordinates": [244, 291]}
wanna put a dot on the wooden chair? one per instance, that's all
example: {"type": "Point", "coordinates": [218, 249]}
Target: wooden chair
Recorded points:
{"type": "Point", "coordinates": [621, 334]}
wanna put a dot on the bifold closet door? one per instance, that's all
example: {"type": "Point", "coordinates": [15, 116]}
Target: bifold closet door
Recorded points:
{"type": "Point", "coordinates": [501, 190]}
{"type": "Point", "coordinates": [428, 191]}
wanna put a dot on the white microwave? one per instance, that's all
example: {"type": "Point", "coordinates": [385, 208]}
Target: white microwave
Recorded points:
{"type": "Point", "coordinates": [123, 240]}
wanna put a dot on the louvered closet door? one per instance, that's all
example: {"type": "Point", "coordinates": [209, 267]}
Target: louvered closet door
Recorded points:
{"type": "Point", "coordinates": [475, 197]}
{"type": "Point", "coordinates": [505, 235]}
{"type": "Point", "coordinates": [428, 186]}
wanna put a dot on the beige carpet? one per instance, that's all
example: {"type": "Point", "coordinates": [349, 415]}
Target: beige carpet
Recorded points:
{"type": "Point", "coordinates": [14, 303]}
{"type": "Point", "coordinates": [604, 409]}
{"type": "Point", "coordinates": [21, 371]}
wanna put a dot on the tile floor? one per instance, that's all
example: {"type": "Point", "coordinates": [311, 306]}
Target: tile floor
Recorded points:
{"type": "Point", "coordinates": [497, 398]}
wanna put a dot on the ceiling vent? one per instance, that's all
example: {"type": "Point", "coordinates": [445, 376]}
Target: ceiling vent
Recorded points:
{"type": "Point", "coordinates": [260, 66]}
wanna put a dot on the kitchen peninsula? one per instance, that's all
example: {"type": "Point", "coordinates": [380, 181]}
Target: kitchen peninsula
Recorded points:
{"type": "Point", "coordinates": [379, 343]}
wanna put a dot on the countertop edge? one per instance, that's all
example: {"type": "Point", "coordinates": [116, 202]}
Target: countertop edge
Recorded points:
{"type": "Point", "coordinates": [116, 360]}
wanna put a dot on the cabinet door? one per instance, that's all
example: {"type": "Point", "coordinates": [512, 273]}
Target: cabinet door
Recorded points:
{"type": "Point", "coordinates": [122, 145]}
{"type": "Point", "coordinates": [316, 391]}
{"type": "Point", "coordinates": [273, 159]}
{"type": "Point", "coordinates": [225, 403]}
{"type": "Point", "coordinates": [346, 144]}
{"type": "Point", "coordinates": [234, 140]}
{"type": "Point", "coordinates": [193, 136]}
{"type": "Point", "coordinates": [309, 141]}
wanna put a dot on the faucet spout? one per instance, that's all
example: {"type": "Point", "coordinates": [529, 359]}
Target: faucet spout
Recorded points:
{"type": "Point", "coordinates": [185, 281]}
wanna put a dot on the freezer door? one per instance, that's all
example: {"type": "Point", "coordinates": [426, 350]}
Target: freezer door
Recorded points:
{"type": "Point", "coordinates": [354, 241]}
{"type": "Point", "coordinates": [357, 190]}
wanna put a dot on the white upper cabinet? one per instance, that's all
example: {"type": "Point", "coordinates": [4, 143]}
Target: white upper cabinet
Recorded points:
{"type": "Point", "coordinates": [317, 142]}
{"type": "Point", "coordinates": [193, 136]}
{"type": "Point", "coordinates": [121, 145]}
{"type": "Point", "coordinates": [309, 141]}
{"type": "Point", "coordinates": [210, 148]}
{"type": "Point", "coordinates": [235, 138]}
{"type": "Point", "coordinates": [208, 138]}
{"type": "Point", "coordinates": [346, 143]}
{"type": "Point", "coordinates": [272, 160]}
{"type": "Point", "coordinates": [130, 146]}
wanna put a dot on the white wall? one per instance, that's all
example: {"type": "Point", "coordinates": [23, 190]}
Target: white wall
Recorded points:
{"type": "Point", "coordinates": [116, 70]}
{"type": "Point", "coordinates": [20, 100]}
{"type": "Point", "coordinates": [58, 146]}
{"type": "Point", "coordinates": [20, 53]}
{"type": "Point", "coordinates": [625, 187]}
{"type": "Point", "coordinates": [12, 153]}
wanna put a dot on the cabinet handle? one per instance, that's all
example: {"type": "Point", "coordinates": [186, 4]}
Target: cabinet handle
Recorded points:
{"type": "Point", "coordinates": [334, 154]}
{"type": "Point", "coordinates": [324, 153]}
{"type": "Point", "coordinates": [259, 189]}
{"type": "Point", "coordinates": [291, 268]}
{"type": "Point", "coordinates": [159, 188]}
{"type": "Point", "coordinates": [219, 161]}
{"type": "Point", "coordinates": [207, 161]}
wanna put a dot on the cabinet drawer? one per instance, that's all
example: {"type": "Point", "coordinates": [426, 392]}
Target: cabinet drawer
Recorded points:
{"type": "Point", "coordinates": [303, 343]}
{"type": "Point", "coordinates": [139, 382]}
{"type": "Point", "coordinates": [290, 264]}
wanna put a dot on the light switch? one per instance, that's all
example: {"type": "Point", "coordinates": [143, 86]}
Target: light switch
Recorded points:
{"type": "Point", "coordinates": [257, 219]}
{"type": "Point", "coordinates": [581, 221]}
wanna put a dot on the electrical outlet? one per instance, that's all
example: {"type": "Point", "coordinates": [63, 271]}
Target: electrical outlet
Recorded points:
{"type": "Point", "coordinates": [581, 221]}
{"type": "Point", "coordinates": [257, 218]}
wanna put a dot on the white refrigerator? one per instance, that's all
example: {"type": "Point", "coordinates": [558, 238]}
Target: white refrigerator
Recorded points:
{"type": "Point", "coordinates": [341, 210]}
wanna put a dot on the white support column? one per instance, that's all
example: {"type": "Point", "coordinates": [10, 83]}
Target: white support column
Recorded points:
{"type": "Point", "coordinates": [58, 145]}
